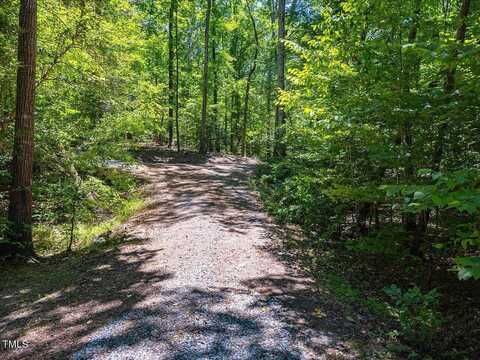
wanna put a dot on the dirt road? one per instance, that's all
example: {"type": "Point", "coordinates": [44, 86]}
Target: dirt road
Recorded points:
{"type": "Point", "coordinates": [198, 275]}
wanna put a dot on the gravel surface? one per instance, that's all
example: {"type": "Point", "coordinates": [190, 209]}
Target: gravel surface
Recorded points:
{"type": "Point", "coordinates": [208, 231]}
{"type": "Point", "coordinates": [199, 279]}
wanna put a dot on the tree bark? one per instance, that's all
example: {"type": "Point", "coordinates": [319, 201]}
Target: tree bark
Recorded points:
{"type": "Point", "coordinates": [215, 80]}
{"type": "Point", "coordinates": [249, 80]}
{"type": "Point", "coordinates": [408, 67]}
{"type": "Point", "coordinates": [177, 78]}
{"type": "Point", "coordinates": [171, 59]}
{"type": "Point", "coordinates": [225, 125]}
{"type": "Point", "coordinates": [270, 74]}
{"type": "Point", "coordinates": [279, 146]}
{"type": "Point", "coordinates": [449, 86]}
{"type": "Point", "coordinates": [233, 128]}
{"type": "Point", "coordinates": [203, 125]}
{"type": "Point", "coordinates": [20, 207]}
{"type": "Point", "coordinates": [235, 97]}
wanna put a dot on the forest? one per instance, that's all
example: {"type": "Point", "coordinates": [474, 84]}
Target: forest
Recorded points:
{"type": "Point", "coordinates": [353, 124]}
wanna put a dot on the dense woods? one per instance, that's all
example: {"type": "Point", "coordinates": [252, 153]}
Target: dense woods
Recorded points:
{"type": "Point", "coordinates": [365, 113]}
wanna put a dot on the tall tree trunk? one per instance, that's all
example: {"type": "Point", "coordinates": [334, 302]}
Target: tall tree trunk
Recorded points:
{"type": "Point", "coordinates": [20, 208]}
{"type": "Point", "coordinates": [238, 115]}
{"type": "Point", "coordinates": [215, 79]}
{"type": "Point", "coordinates": [270, 72]}
{"type": "Point", "coordinates": [171, 58]}
{"type": "Point", "coordinates": [235, 101]}
{"type": "Point", "coordinates": [233, 128]}
{"type": "Point", "coordinates": [177, 79]}
{"type": "Point", "coordinates": [279, 146]}
{"type": "Point", "coordinates": [225, 128]}
{"type": "Point", "coordinates": [409, 69]}
{"type": "Point", "coordinates": [449, 86]}
{"type": "Point", "coordinates": [235, 122]}
{"type": "Point", "coordinates": [249, 80]}
{"type": "Point", "coordinates": [203, 125]}
{"type": "Point", "coordinates": [410, 66]}
{"type": "Point", "coordinates": [160, 136]}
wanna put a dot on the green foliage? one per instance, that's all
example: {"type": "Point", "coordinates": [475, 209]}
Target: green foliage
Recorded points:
{"type": "Point", "coordinates": [458, 191]}
{"type": "Point", "coordinates": [383, 157]}
{"type": "Point", "coordinates": [468, 267]}
{"type": "Point", "coordinates": [94, 99]}
{"type": "Point", "coordinates": [457, 194]}
{"type": "Point", "coordinates": [417, 314]}
{"type": "Point", "coordinates": [382, 146]}
{"type": "Point", "coordinates": [298, 196]}
{"type": "Point", "coordinates": [388, 241]}
{"type": "Point", "coordinates": [342, 289]}
{"type": "Point", "coordinates": [95, 205]}
{"type": "Point", "coordinates": [352, 296]}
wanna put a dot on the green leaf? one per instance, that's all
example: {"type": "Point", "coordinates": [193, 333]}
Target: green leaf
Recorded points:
{"type": "Point", "coordinates": [418, 195]}
{"type": "Point", "coordinates": [468, 267]}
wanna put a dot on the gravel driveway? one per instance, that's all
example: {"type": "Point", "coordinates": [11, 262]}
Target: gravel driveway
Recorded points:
{"type": "Point", "coordinates": [197, 278]}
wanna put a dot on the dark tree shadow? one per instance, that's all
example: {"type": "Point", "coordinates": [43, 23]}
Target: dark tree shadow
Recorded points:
{"type": "Point", "coordinates": [68, 298]}
{"type": "Point", "coordinates": [190, 188]}
{"type": "Point", "coordinates": [153, 154]}
{"type": "Point", "coordinates": [109, 301]}
{"type": "Point", "coordinates": [189, 323]}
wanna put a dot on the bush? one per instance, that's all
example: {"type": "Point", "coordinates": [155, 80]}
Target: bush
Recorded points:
{"type": "Point", "coordinates": [417, 315]}
{"type": "Point", "coordinates": [296, 196]}
{"type": "Point", "coordinates": [389, 241]}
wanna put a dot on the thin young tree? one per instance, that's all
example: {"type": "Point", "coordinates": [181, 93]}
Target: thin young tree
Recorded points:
{"type": "Point", "coordinates": [450, 81]}
{"type": "Point", "coordinates": [279, 146]}
{"type": "Point", "coordinates": [270, 68]}
{"type": "Point", "coordinates": [177, 78]}
{"type": "Point", "coordinates": [171, 59]}
{"type": "Point", "coordinates": [203, 148]}
{"type": "Point", "coordinates": [215, 126]}
{"type": "Point", "coordinates": [408, 74]}
{"type": "Point", "coordinates": [20, 207]}
{"type": "Point", "coordinates": [249, 80]}
{"type": "Point", "coordinates": [235, 97]}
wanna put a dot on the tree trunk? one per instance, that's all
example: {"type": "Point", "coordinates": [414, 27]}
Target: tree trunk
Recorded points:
{"type": "Point", "coordinates": [177, 78]}
{"type": "Point", "coordinates": [20, 207]}
{"type": "Point", "coordinates": [238, 115]}
{"type": "Point", "coordinates": [225, 127]}
{"type": "Point", "coordinates": [449, 86]}
{"type": "Point", "coordinates": [279, 146]}
{"type": "Point", "coordinates": [249, 80]}
{"type": "Point", "coordinates": [171, 90]}
{"type": "Point", "coordinates": [270, 74]}
{"type": "Point", "coordinates": [203, 124]}
{"type": "Point", "coordinates": [409, 66]}
{"type": "Point", "coordinates": [235, 102]}
{"type": "Point", "coordinates": [215, 80]}
{"type": "Point", "coordinates": [233, 128]}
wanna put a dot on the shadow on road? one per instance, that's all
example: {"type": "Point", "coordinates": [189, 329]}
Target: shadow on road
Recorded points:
{"type": "Point", "coordinates": [110, 301]}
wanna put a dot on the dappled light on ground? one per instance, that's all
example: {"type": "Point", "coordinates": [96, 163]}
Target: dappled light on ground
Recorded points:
{"type": "Point", "coordinates": [193, 276]}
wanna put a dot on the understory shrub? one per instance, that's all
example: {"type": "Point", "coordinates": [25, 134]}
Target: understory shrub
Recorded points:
{"type": "Point", "coordinates": [417, 314]}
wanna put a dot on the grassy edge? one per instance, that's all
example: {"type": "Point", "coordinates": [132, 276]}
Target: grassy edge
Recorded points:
{"type": "Point", "coordinates": [55, 238]}
{"type": "Point", "coordinates": [87, 233]}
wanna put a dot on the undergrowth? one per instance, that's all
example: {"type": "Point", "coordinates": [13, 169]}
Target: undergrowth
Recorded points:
{"type": "Point", "coordinates": [360, 253]}
{"type": "Point", "coordinates": [101, 203]}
